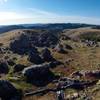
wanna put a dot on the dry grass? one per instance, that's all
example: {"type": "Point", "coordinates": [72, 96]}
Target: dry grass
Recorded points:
{"type": "Point", "coordinates": [76, 33]}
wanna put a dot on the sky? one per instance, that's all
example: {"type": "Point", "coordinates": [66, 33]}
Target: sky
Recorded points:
{"type": "Point", "coordinates": [49, 11]}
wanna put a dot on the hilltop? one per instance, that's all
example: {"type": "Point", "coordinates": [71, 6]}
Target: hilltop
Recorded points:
{"type": "Point", "coordinates": [38, 57]}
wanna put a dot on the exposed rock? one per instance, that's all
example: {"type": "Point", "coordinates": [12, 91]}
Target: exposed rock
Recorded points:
{"type": "Point", "coordinates": [60, 48]}
{"type": "Point", "coordinates": [90, 43]}
{"type": "Point", "coordinates": [72, 96]}
{"type": "Point", "coordinates": [45, 38]}
{"type": "Point", "coordinates": [75, 84]}
{"type": "Point", "coordinates": [8, 91]}
{"type": "Point", "coordinates": [76, 74]}
{"type": "Point", "coordinates": [35, 58]}
{"type": "Point", "coordinates": [46, 55]}
{"type": "Point", "coordinates": [28, 39]}
{"type": "Point", "coordinates": [94, 73]}
{"type": "Point", "coordinates": [22, 45]}
{"type": "Point", "coordinates": [4, 68]}
{"type": "Point", "coordinates": [39, 75]}
{"type": "Point", "coordinates": [18, 68]}
{"type": "Point", "coordinates": [54, 64]}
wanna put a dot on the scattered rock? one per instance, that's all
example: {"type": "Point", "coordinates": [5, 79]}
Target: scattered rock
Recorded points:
{"type": "Point", "coordinates": [60, 48]}
{"type": "Point", "coordinates": [90, 43]}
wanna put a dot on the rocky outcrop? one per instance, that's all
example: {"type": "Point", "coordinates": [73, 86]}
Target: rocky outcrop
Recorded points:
{"type": "Point", "coordinates": [38, 75]}
{"type": "Point", "coordinates": [45, 38]}
{"type": "Point", "coordinates": [8, 91]}
{"type": "Point", "coordinates": [90, 43]}
{"type": "Point", "coordinates": [35, 58]}
{"type": "Point", "coordinates": [28, 39]}
{"type": "Point", "coordinates": [22, 45]}
{"type": "Point", "coordinates": [55, 64]}
{"type": "Point", "coordinates": [46, 55]}
{"type": "Point", "coordinates": [87, 74]}
{"type": "Point", "coordinates": [18, 68]}
{"type": "Point", "coordinates": [4, 68]}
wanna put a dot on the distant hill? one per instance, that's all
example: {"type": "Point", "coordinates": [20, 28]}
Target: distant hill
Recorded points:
{"type": "Point", "coordinates": [10, 27]}
{"type": "Point", "coordinates": [45, 26]}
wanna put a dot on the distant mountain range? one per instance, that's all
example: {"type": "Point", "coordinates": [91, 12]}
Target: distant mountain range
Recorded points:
{"type": "Point", "coordinates": [60, 26]}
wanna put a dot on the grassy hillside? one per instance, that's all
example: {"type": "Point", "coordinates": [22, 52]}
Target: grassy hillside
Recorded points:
{"type": "Point", "coordinates": [83, 33]}
{"type": "Point", "coordinates": [81, 57]}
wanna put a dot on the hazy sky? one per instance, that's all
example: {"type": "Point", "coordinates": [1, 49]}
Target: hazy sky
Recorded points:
{"type": "Point", "coordinates": [49, 11]}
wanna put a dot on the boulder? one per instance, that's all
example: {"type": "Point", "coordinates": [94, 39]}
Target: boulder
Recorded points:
{"type": "Point", "coordinates": [18, 68]}
{"type": "Point", "coordinates": [46, 55]}
{"type": "Point", "coordinates": [35, 58]}
{"type": "Point", "coordinates": [20, 45]}
{"type": "Point", "coordinates": [8, 91]}
{"type": "Point", "coordinates": [39, 75]}
{"type": "Point", "coordinates": [4, 68]}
